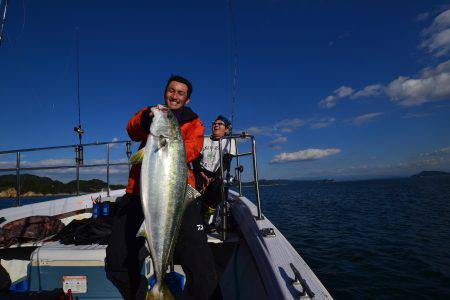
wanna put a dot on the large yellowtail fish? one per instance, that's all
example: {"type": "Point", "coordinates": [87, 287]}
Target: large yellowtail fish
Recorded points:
{"type": "Point", "coordinates": [164, 177]}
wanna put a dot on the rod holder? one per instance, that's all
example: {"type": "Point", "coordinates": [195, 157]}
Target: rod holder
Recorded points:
{"type": "Point", "coordinates": [107, 168]}
{"type": "Point", "coordinates": [79, 156]}
{"type": "Point", "coordinates": [79, 162]}
{"type": "Point", "coordinates": [128, 145]}
{"type": "Point", "coordinates": [18, 178]}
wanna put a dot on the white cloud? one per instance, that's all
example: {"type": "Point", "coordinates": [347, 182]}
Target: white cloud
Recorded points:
{"type": "Point", "coordinates": [42, 163]}
{"type": "Point", "coordinates": [412, 92]}
{"type": "Point", "coordinates": [303, 155]}
{"type": "Point", "coordinates": [340, 37]}
{"type": "Point", "coordinates": [288, 125]}
{"type": "Point", "coordinates": [435, 162]}
{"type": "Point", "coordinates": [422, 16]}
{"type": "Point", "coordinates": [437, 36]}
{"type": "Point", "coordinates": [51, 162]}
{"type": "Point", "coordinates": [255, 130]}
{"type": "Point", "coordinates": [275, 144]}
{"type": "Point", "coordinates": [442, 21]}
{"type": "Point", "coordinates": [329, 101]}
{"type": "Point", "coordinates": [441, 68]}
{"type": "Point", "coordinates": [366, 118]}
{"type": "Point", "coordinates": [338, 94]}
{"type": "Point", "coordinates": [345, 91]}
{"type": "Point", "coordinates": [395, 169]}
{"type": "Point", "coordinates": [438, 152]}
{"type": "Point", "coordinates": [369, 91]}
{"type": "Point", "coordinates": [113, 140]}
{"type": "Point", "coordinates": [416, 115]}
{"type": "Point", "coordinates": [283, 126]}
{"type": "Point", "coordinates": [68, 162]}
{"type": "Point", "coordinates": [439, 43]}
{"type": "Point", "coordinates": [322, 123]}
{"type": "Point", "coordinates": [433, 84]}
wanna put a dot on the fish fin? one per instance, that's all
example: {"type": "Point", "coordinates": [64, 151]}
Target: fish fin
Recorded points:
{"type": "Point", "coordinates": [162, 142]}
{"type": "Point", "coordinates": [142, 232]}
{"type": "Point", "coordinates": [137, 157]}
{"type": "Point", "coordinates": [159, 293]}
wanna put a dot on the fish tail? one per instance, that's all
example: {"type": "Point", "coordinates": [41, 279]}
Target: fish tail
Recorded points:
{"type": "Point", "coordinates": [159, 292]}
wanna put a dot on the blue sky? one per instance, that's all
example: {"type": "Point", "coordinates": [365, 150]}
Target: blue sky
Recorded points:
{"type": "Point", "coordinates": [331, 90]}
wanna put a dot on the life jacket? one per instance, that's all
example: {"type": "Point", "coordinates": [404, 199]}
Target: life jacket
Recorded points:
{"type": "Point", "coordinates": [192, 130]}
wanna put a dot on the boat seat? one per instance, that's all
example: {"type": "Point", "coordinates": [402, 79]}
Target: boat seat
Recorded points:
{"type": "Point", "coordinates": [57, 254]}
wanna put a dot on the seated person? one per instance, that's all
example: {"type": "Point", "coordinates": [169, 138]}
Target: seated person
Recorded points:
{"type": "Point", "coordinates": [207, 165]}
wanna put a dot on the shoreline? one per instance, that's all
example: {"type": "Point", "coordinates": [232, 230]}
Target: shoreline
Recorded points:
{"type": "Point", "coordinates": [37, 196]}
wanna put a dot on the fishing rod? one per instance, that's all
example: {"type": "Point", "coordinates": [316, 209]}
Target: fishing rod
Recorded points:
{"type": "Point", "coordinates": [5, 8]}
{"type": "Point", "coordinates": [235, 59]}
{"type": "Point", "coordinates": [79, 130]}
{"type": "Point", "coordinates": [79, 159]}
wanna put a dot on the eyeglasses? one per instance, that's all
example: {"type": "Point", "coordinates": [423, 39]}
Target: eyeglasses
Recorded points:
{"type": "Point", "coordinates": [219, 124]}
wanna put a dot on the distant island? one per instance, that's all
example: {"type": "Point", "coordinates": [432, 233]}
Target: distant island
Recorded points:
{"type": "Point", "coordinates": [273, 182]}
{"type": "Point", "coordinates": [36, 186]}
{"type": "Point", "coordinates": [432, 174]}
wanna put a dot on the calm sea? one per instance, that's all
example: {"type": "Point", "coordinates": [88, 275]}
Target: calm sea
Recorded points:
{"type": "Point", "coordinates": [366, 239]}
{"type": "Point", "coordinates": [369, 239]}
{"type": "Point", "coordinates": [10, 202]}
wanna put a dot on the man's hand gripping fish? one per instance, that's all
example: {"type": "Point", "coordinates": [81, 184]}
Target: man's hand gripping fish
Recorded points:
{"type": "Point", "coordinates": [164, 191]}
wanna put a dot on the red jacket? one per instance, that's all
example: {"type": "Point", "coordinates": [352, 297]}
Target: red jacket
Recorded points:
{"type": "Point", "coordinates": [192, 130]}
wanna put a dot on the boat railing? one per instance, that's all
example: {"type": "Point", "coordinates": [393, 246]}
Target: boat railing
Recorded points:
{"type": "Point", "coordinates": [79, 162]}
{"type": "Point", "coordinates": [238, 175]}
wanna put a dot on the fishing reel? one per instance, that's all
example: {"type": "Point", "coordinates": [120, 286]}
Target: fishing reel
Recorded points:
{"type": "Point", "coordinates": [228, 180]}
{"type": "Point", "coordinates": [79, 159]}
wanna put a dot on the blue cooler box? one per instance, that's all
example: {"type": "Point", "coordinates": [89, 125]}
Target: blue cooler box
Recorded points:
{"type": "Point", "coordinates": [79, 268]}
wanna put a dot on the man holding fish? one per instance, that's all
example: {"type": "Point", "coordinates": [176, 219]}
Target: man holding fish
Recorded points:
{"type": "Point", "coordinates": [160, 194]}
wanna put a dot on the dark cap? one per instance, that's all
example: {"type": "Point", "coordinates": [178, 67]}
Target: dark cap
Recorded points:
{"type": "Point", "coordinates": [225, 121]}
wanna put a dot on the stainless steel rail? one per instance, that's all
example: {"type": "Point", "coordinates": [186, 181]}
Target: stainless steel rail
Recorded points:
{"type": "Point", "coordinates": [79, 162]}
{"type": "Point", "coordinates": [239, 170]}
